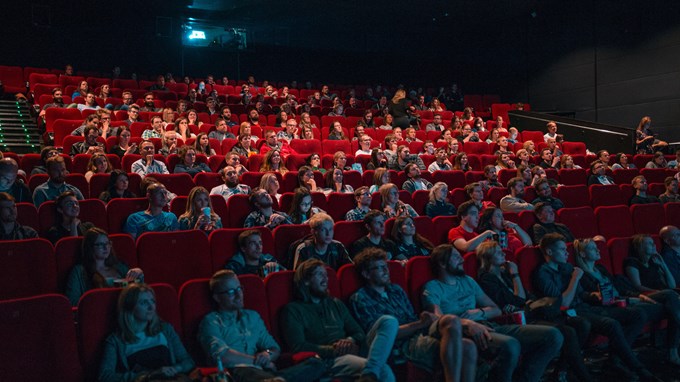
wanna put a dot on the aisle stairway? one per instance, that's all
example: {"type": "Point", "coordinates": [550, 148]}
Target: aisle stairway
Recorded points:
{"type": "Point", "coordinates": [18, 131]}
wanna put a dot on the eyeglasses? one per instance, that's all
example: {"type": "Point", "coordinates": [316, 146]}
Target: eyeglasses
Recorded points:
{"type": "Point", "coordinates": [231, 292]}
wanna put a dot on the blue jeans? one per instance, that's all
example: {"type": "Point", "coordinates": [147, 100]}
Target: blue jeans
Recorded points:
{"type": "Point", "coordinates": [379, 340]}
{"type": "Point", "coordinates": [537, 344]}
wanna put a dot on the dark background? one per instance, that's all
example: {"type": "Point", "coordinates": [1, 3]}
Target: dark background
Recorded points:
{"type": "Point", "coordinates": [607, 61]}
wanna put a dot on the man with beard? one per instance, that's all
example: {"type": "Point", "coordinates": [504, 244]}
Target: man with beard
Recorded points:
{"type": "Point", "coordinates": [421, 339]}
{"type": "Point", "coordinates": [544, 194]}
{"type": "Point", "coordinates": [56, 184]}
{"type": "Point", "coordinates": [273, 143]}
{"type": "Point", "coordinates": [221, 131]}
{"type": "Point", "coordinates": [149, 104]}
{"type": "Point", "coordinates": [160, 84]}
{"type": "Point", "coordinates": [263, 214]}
{"type": "Point", "coordinates": [414, 181]}
{"type": "Point", "coordinates": [514, 201]}
{"type": "Point", "coordinates": [254, 117]}
{"type": "Point", "coordinates": [320, 323]}
{"type": "Point", "coordinates": [640, 186]}
{"type": "Point", "coordinates": [490, 178]}
{"type": "Point", "coordinates": [146, 164]}
{"type": "Point", "coordinates": [231, 185]}
{"type": "Point", "coordinates": [90, 103]}
{"type": "Point", "coordinates": [453, 292]}
{"type": "Point", "coordinates": [464, 238]}
{"type": "Point", "coordinates": [233, 159]}
{"type": "Point", "coordinates": [90, 144]}
{"type": "Point", "coordinates": [403, 158]}
{"type": "Point", "coordinates": [127, 101]}
{"type": "Point", "coordinates": [91, 120]}
{"type": "Point", "coordinates": [11, 184]}
{"type": "Point", "coordinates": [57, 101]}
{"type": "Point", "coordinates": [225, 113]}
{"type": "Point", "coordinates": [375, 225]}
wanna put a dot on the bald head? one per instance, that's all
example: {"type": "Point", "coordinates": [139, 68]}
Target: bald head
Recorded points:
{"type": "Point", "coordinates": [670, 235]}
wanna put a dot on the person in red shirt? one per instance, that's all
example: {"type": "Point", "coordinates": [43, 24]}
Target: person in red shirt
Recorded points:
{"type": "Point", "coordinates": [271, 142]}
{"type": "Point", "coordinates": [464, 237]}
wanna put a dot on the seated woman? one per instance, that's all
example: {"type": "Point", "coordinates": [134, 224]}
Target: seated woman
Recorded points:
{"type": "Point", "coordinates": [336, 132]}
{"type": "Point", "coordinates": [523, 159]}
{"type": "Point", "coordinates": [567, 162]}
{"type": "Point", "coordinates": [511, 236]}
{"type": "Point", "coordinates": [281, 119]}
{"type": "Point", "coordinates": [364, 145]}
{"type": "Point", "coordinates": [273, 163]}
{"type": "Point", "coordinates": [202, 145]}
{"type": "Point", "coordinates": [597, 278]}
{"type": "Point", "coordinates": [367, 119]}
{"type": "Point", "coordinates": [99, 164]}
{"type": "Point", "coordinates": [409, 243]}
{"type": "Point", "coordinates": [335, 182]}
{"type": "Point", "coordinates": [622, 162]}
{"type": "Point", "coordinates": [452, 146]}
{"type": "Point", "coordinates": [118, 187]}
{"type": "Point", "coordinates": [439, 201]}
{"type": "Point", "coordinates": [387, 122]}
{"type": "Point", "coordinates": [100, 268]}
{"type": "Point", "coordinates": [493, 136]}
{"type": "Point", "coordinates": [500, 281]}
{"type": "Point", "coordinates": [244, 146]}
{"type": "Point", "coordinates": [645, 139]}
{"type": "Point", "coordinates": [314, 163]}
{"type": "Point", "coordinates": [124, 147]}
{"type": "Point", "coordinates": [182, 129]}
{"type": "Point", "coordinates": [380, 176]}
{"type": "Point", "coordinates": [530, 147]}
{"type": "Point", "coordinates": [143, 348]}
{"type": "Point", "coordinates": [503, 162]}
{"type": "Point", "coordinates": [199, 213]}
{"type": "Point", "coordinates": [192, 117]}
{"type": "Point", "coordinates": [67, 222]}
{"type": "Point", "coordinates": [658, 161]}
{"type": "Point", "coordinates": [524, 172]}
{"type": "Point", "coordinates": [270, 183]}
{"type": "Point", "coordinates": [446, 136]}
{"type": "Point", "coordinates": [302, 208]}
{"type": "Point", "coordinates": [378, 160]}
{"type": "Point", "coordinates": [460, 162]}
{"type": "Point", "coordinates": [340, 161]}
{"type": "Point", "coordinates": [391, 205]}
{"type": "Point", "coordinates": [187, 162]}
{"type": "Point", "coordinates": [306, 179]}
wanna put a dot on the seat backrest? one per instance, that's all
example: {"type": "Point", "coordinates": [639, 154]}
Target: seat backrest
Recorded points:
{"type": "Point", "coordinates": [672, 213]}
{"type": "Point", "coordinates": [606, 195]}
{"type": "Point", "coordinates": [574, 195]}
{"type": "Point", "coordinates": [180, 184]}
{"type": "Point", "coordinates": [648, 218]}
{"type": "Point", "coordinates": [224, 244]}
{"type": "Point", "coordinates": [28, 268]}
{"type": "Point", "coordinates": [118, 210]}
{"type": "Point", "coordinates": [619, 249]}
{"type": "Point", "coordinates": [442, 226]}
{"type": "Point", "coordinates": [418, 272]}
{"type": "Point", "coordinates": [39, 340]}
{"type": "Point", "coordinates": [528, 259]}
{"type": "Point", "coordinates": [347, 232]}
{"type": "Point", "coordinates": [614, 221]}
{"type": "Point", "coordinates": [239, 208]}
{"type": "Point", "coordinates": [580, 220]}
{"type": "Point", "coordinates": [164, 256]}
{"type": "Point", "coordinates": [279, 291]}
{"type": "Point", "coordinates": [284, 236]}
{"type": "Point", "coordinates": [571, 177]}
{"type": "Point", "coordinates": [27, 215]}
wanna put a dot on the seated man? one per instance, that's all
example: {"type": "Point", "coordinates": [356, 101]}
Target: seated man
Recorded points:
{"type": "Point", "coordinates": [238, 339]}
{"type": "Point", "coordinates": [453, 292]}
{"type": "Point", "coordinates": [598, 174]}
{"type": "Point", "coordinates": [544, 194]}
{"type": "Point", "coordinates": [9, 183]}
{"type": "Point", "coordinates": [557, 278]}
{"type": "Point", "coordinates": [363, 199]}
{"type": "Point", "coordinates": [414, 181]}
{"type": "Point", "coordinates": [263, 214]}
{"type": "Point", "coordinates": [490, 178]}
{"type": "Point", "coordinates": [250, 260]}
{"type": "Point", "coordinates": [221, 131]}
{"type": "Point", "coordinates": [91, 120]}
{"type": "Point", "coordinates": [421, 340]}
{"type": "Point", "coordinates": [671, 195]}
{"type": "Point", "coordinates": [234, 159]}
{"type": "Point", "coordinates": [514, 201]}
{"type": "Point", "coordinates": [271, 143]}
{"type": "Point", "coordinates": [90, 144]}
{"type": "Point", "coordinates": [10, 229]}
{"type": "Point", "coordinates": [321, 245]}
{"type": "Point", "coordinates": [153, 219]}
{"type": "Point", "coordinates": [56, 184]}
{"type": "Point", "coordinates": [670, 236]}
{"type": "Point", "coordinates": [475, 192]}
{"type": "Point", "coordinates": [441, 162]}
{"type": "Point", "coordinates": [545, 224]}
{"type": "Point", "coordinates": [403, 157]}
{"type": "Point", "coordinates": [169, 143]}
{"type": "Point", "coordinates": [641, 197]}
{"type": "Point", "coordinates": [231, 185]}
{"type": "Point", "coordinates": [436, 124]}
{"type": "Point", "coordinates": [551, 126]}
{"type": "Point", "coordinates": [320, 323]}
{"type": "Point", "coordinates": [156, 129]}
{"type": "Point", "coordinates": [375, 224]}
{"type": "Point", "coordinates": [147, 164]}
{"type": "Point", "coordinates": [464, 238]}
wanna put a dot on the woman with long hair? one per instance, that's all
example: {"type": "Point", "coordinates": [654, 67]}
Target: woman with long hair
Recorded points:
{"type": "Point", "coordinates": [460, 162]}
{"type": "Point", "coordinates": [187, 162]}
{"type": "Point", "coordinates": [118, 187]}
{"type": "Point", "coordinates": [567, 163]}
{"type": "Point", "coordinates": [244, 146]}
{"type": "Point", "coordinates": [314, 163]}
{"type": "Point", "coordinates": [503, 161]}
{"type": "Point", "coordinates": [199, 213]}
{"type": "Point", "coordinates": [306, 179]}
{"type": "Point", "coordinates": [306, 122]}
{"type": "Point", "coordinates": [99, 267]}
{"type": "Point", "coordinates": [510, 235]}
{"type": "Point", "coordinates": [104, 92]}
{"type": "Point", "coordinates": [340, 161]}
{"type": "Point", "coordinates": [622, 162]}
{"type": "Point", "coordinates": [302, 207]}
{"type": "Point", "coordinates": [380, 176]}
{"type": "Point", "coordinates": [439, 201]}
{"type": "Point", "coordinates": [192, 116]}
{"type": "Point", "coordinates": [67, 223]}
{"type": "Point", "coordinates": [530, 147]}
{"type": "Point", "coordinates": [523, 158]}
{"type": "Point", "coordinates": [273, 163]}
{"type": "Point", "coordinates": [645, 139]}
{"type": "Point", "coordinates": [367, 119]}
{"type": "Point", "coordinates": [336, 132]}
{"type": "Point", "coordinates": [388, 123]}
{"type": "Point", "coordinates": [399, 109]}
{"type": "Point", "coordinates": [202, 145]}
{"type": "Point", "coordinates": [378, 160]}
{"type": "Point", "coordinates": [391, 205]}
{"type": "Point", "coordinates": [182, 129]}
{"type": "Point", "coordinates": [124, 147]}
{"type": "Point", "coordinates": [98, 164]}
{"type": "Point", "coordinates": [335, 182]}
{"type": "Point", "coordinates": [270, 183]}
{"type": "Point", "coordinates": [435, 105]}
{"type": "Point", "coordinates": [409, 242]}
{"type": "Point", "coordinates": [144, 348]}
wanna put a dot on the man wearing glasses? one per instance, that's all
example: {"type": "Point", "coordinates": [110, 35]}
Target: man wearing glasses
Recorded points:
{"type": "Point", "coordinates": [290, 132]}
{"type": "Point", "coordinates": [127, 102]}
{"type": "Point", "coordinates": [599, 175]}
{"type": "Point", "coordinates": [238, 339]}
{"type": "Point", "coordinates": [133, 115]}
{"type": "Point", "coordinates": [363, 198]}
{"type": "Point", "coordinates": [146, 164]}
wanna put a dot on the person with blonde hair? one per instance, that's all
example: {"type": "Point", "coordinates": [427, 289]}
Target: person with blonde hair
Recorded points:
{"type": "Point", "coordinates": [391, 205]}
{"type": "Point", "coordinates": [273, 162]}
{"type": "Point", "coordinates": [270, 183]}
{"type": "Point", "coordinates": [199, 212]}
{"type": "Point", "coordinates": [99, 164]}
{"type": "Point", "coordinates": [439, 204]}
{"type": "Point", "coordinates": [399, 109]}
{"type": "Point", "coordinates": [321, 245]}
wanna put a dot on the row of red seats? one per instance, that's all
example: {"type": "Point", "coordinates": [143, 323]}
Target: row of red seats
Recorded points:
{"type": "Point", "coordinates": [31, 323]}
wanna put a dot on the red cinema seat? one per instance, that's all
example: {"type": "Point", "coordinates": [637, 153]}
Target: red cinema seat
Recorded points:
{"type": "Point", "coordinates": [528, 259]}
{"type": "Point", "coordinates": [614, 221]}
{"type": "Point", "coordinates": [418, 273]}
{"type": "Point", "coordinates": [535, 136]}
{"type": "Point", "coordinates": [420, 199]}
{"type": "Point", "coordinates": [453, 179]}
{"type": "Point", "coordinates": [330, 147]}
{"type": "Point", "coordinates": [13, 79]}
{"type": "Point", "coordinates": [209, 180]}
{"type": "Point", "coordinates": [174, 257]}
{"type": "Point", "coordinates": [570, 177]}
{"type": "Point", "coordinates": [347, 232]}
{"type": "Point", "coordinates": [91, 210]}
{"type": "Point", "coordinates": [339, 204]}
{"type": "Point", "coordinates": [625, 175]}
{"type": "Point", "coordinates": [672, 213]}
{"type": "Point", "coordinates": [118, 210]}
{"type": "Point", "coordinates": [28, 268]}
{"type": "Point", "coordinates": [580, 220]}
{"type": "Point", "coordinates": [224, 244]}
{"type": "Point", "coordinates": [284, 236]}
{"type": "Point", "coordinates": [574, 196]}
{"type": "Point", "coordinates": [180, 184]}
{"type": "Point", "coordinates": [470, 264]}
{"type": "Point", "coordinates": [648, 218]}
{"type": "Point", "coordinates": [656, 175]}
{"type": "Point", "coordinates": [96, 318]}
{"type": "Point", "coordinates": [478, 148]}
{"type": "Point", "coordinates": [574, 148]}
{"type": "Point", "coordinates": [306, 146]}
{"type": "Point", "coordinates": [350, 281]}
{"type": "Point", "coordinates": [606, 195]}
{"type": "Point", "coordinates": [506, 174]}
{"type": "Point", "coordinates": [279, 292]}
{"type": "Point", "coordinates": [442, 226]}
{"type": "Point", "coordinates": [239, 208]}
{"type": "Point", "coordinates": [39, 340]}
{"type": "Point", "coordinates": [619, 250]}
{"type": "Point", "coordinates": [55, 113]}
{"type": "Point", "coordinates": [27, 214]}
